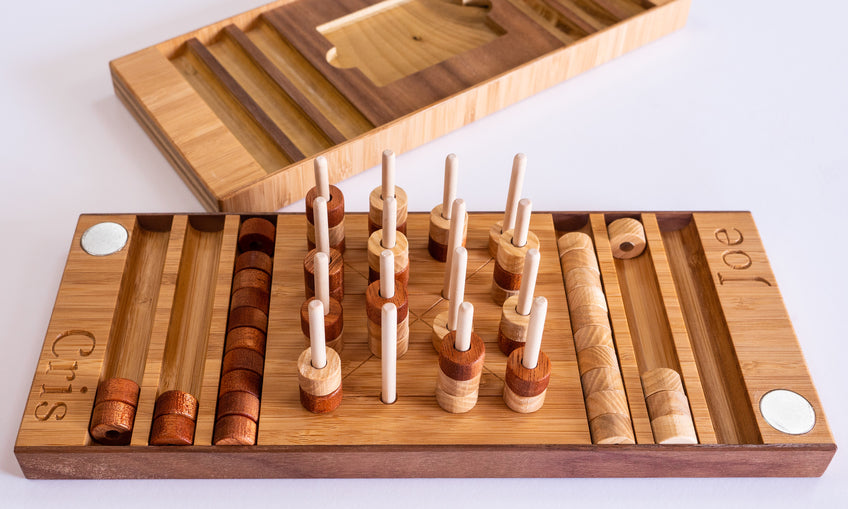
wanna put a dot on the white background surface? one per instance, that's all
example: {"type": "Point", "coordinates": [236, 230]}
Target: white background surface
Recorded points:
{"type": "Point", "coordinates": [746, 108]}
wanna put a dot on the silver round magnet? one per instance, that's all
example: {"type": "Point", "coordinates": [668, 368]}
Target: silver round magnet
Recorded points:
{"type": "Point", "coordinates": [104, 239]}
{"type": "Point", "coordinates": [788, 412]}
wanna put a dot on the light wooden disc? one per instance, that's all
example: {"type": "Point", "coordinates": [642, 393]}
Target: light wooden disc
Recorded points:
{"type": "Point", "coordinates": [612, 429]}
{"type": "Point", "coordinates": [593, 335]}
{"type": "Point", "coordinates": [375, 205]}
{"type": "Point", "coordinates": [511, 258]}
{"type": "Point", "coordinates": [574, 240]}
{"type": "Point", "coordinates": [661, 379]}
{"type": "Point", "coordinates": [667, 403]}
{"type": "Point", "coordinates": [440, 329]}
{"type": "Point", "coordinates": [495, 232]}
{"type": "Point", "coordinates": [400, 251]}
{"type": "Point", "coordinates": [587, 296]}
{"type": "Point", "coordinates": [585, 316]}
{"type": "Point", "coordinates": [319, 382]}
{"type": "Point", "coordinates": [459, 388]}
{"type": "Point", "coordinates": [512, 325]}
{"type": "Point", "coordinates": [577, 258]}
{"type": "Point", "coordinates": [579, 277]}
{"type": "Point", "coordinates": [674, 429]}
{"type": "Point", "coordinates": [440, 227]}
{"type": "Point", "coordinates": [375, 338]}
{"type": "Point", "coordinates": [336, 234]}
{"type": "Point", "coordinates": [599, 356]}
{"type": "Point", "coordinates": [523, 404]}
{"type": "Point", "coordinates": [601, 379]}
{"type": "Point", "coordinates": [606, 402]}
{"type": "Point", "coordinates": [627, 238]}
{"type": "Point", "coordinates": [455, 404]}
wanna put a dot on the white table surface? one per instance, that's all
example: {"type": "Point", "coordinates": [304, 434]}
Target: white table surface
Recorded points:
{"type": "Point", "coordinates": [746, 108]}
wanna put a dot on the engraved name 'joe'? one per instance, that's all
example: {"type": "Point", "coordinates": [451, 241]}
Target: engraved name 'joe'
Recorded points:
{"type": "Point", "coordinates": [740, 264]}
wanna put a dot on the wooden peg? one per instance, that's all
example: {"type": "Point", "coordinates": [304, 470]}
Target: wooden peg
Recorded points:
{"type": "Point", "coordinates": [522, 226]}
{"type": "Point", "coordinates": [374, 302]}
{"type": "Point", "coordinates": [516, 183]}
{"type": "Point", "coordinates": [387, 188]}
{"type": "Point", "coordinates": [322, 177]}
{"type": "Point", "coordinates": [445, 321]}
{"type": "Point", "coordinates": [387, 274]}
{"type": "Point", "coordinates": [389, 353]}
{"type": "Point", "coordinates": [534, 332]}
{"type": "Point", "coordinates": [451, 177]}
{"type": "Point", "coordinates": [316, 334]}
{"type": "Point", "coordinates": [322, 234]}
{"type": "Point", "coordinates": [457, 227]}
{"type": "Point", "coordinates": [388, 183]}
{"type": "Point", "coordinates": [440, 216]}
{"type": "Point", "coordinates": [401, 254]}
{"type": "Point", "coordinates": [320, 388]}
{"type": "Point", "coordinates": [335, 219]}
{"type": "Point", "coordinates": [333, 324]}
{"type": "Point", "coordinates": [113, 416]}
{"type": "Point", "coordinates": [627, 238]}
{"type": "Point", "coordinates": [462, 341]}
{"type": "Point", "coordinates": [257, 234]}
{"type": "Point", "coordinates": [528, 282]}
{"type": "Point", "coordinates": [389, 222]}
{"type": "Point", "coordinates": [322, 280]}
{"type": "Point", "coordinates": [335, 274]}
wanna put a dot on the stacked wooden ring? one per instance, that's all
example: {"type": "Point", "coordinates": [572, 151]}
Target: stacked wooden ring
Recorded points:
{"type": "Point", "coordinates": [375, 210]}
{"type": "Point", "coordinates": [333, 324]}
{"type": "Point", "coordinates": [459, 374]}
{"type": "Point", "coordinates": [668, 407]}
{"type": "Point", "coordinates": [439, 236]}
{"type": "Point", "coordinates": [512, 329]}
{"type": "Point", "coordinates": [320, 388]}
{"type": "Point", "coordinates": [374, 302]}
{"type": "Point", "coordinates": [336, 274]}
{"type": "Point", "coordinates": [509, 265]}
{"type": "Point", "coordinates": [114, 411]}
{"type": "Point", "coordinates": [525, 389]}
{"type": "Point", "coordinates": [335, 219]}
{"type": "Point", "coordinates": [401, 256]}
{"type": "Point", "coordinates": [174, 419]}
{"type": "Point", "coordinates": [603, 389]}
{"type": "Point", "coordinates": [239, 391]}
{"type": "Point", "coordinates": [627, 238]}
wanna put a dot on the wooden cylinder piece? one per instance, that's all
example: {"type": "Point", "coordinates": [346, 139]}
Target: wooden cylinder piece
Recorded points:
{"type": "Point", "coordinates": [458, 384]}
{"type": "Point", "coordinates": [627, 238]}
{"type": "Point", "coordinates": [335, 219]}
{"type": "Point", "coordinates": [114, 411]}
{"type": "Point", "coordinates": [320, 389]}
{"type": "Point", "coordinates": [336, 274]}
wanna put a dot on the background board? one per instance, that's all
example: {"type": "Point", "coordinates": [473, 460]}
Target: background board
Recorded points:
{"type": "Point", "coordinates": [743, 109]}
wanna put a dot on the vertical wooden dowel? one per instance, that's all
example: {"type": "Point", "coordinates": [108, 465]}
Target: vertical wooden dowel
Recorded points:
{"type": "Point", "coordinates": [388, 174]}
{"type": "Point", "coordinates": [316, 334]}
{"type": "Point", "coordinates": [464, 326]}
{"type": "Point", "coordinates": [451, 177]}
{"type": "Point", "coordinates": [460, 262]}
{"type": "Point", "coordinates": [322, 280]}
{"type": "Point", "coordinates": [322, 229]}
{"type": "Point", "coordinates": [389, 222]}
{"type": "Point", "coordinates": [522, 227]}
{"type": "Point", "coordinates": [516, 182]}
{"type": "Point", "coordinates": [389, 353]}
{"type": "Point", "coordinates": [528, 282]}
{"type": "Point", "coordinates": [534, 333]}
{"type": "Point", "coordinates": [387, 274]}
{"type": "Point", "coordinates": [322, 177]}
{"type": "Point", "coordinates": [457, 227]}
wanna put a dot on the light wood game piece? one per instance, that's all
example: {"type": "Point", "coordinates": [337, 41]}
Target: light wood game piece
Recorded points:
{"type": "Point", "coordinates": [322, 179]}
{"type": "Point", "coordinates": [445, 321]}
{"type": "Point", "coordinates": [254, 260]}
{"type": "Point", "coordinates": [528, 282]}
{"type": "Point", "coordinates": [245, 337]}
{"type": "Point", "coordinates": [510, 261]}
{"type": "Point", "coordinates": [114, 411]}
{"type": "Point", "coordinates": [320, 233]}
{"type": "Point", "coordinates": [400, 252]}
{"type": "Point", "coordinates": [336, 274]}
{"type": "Point", "coordinates": [584, 316]}
{"type": "Point", "coordinates": [516, 182]}
{"type": "Point", "coordinates": [528, 369]}
{"type": "Point", "coordinates": [599, 356]}
{"type": "Point", "coordinates": [319, 381]}
{"type": "Point", "coordinates": [174, 417]}
{"type": "Point", "coordinates": [674, 429]}
{"type": "Point", "coordinates": [335, 235]}
{"type": "Point", "coordinates": [257, 234]}
{"type": "Point", "coordinates": [333, 323]}
{"type": "Point", "coordinates": [574, 241]}
{"type": "Point", "coordinates": [457, 226]}
{"type": "Point", "coordinates": [388, 357]}
{"type": "Point", "coordinates": [580, 277]}
{"type": "Point", "coordinates": [606, 402]}
{"type": "Point", "coordinates": [461, 357]}
{"type": "Point", "coordinates": [593, 335]}
{"type": "Point", "coordinates": [627, 238]}
{"type": "Point", "coordinates": [440, 216]}
{"type": "Point", "coordinates": [459, 388]}
{"type": "Point", "coordinates": [512, 329]}
{"type": "Point", "coordinates": [587, 296]}
{"type": "Point", "coordinates": [601, 379]}
{"type": "Point", "coordinates": [579, 258]}
{"type": "Point", "coordinates": [234, 430]}
{"type": "Point", "coordinates": [661, 379]}
{"type": "Point", "coordinates": [612, 429]}
{"type": "Point", "coordinates": [523, 404]}
{"type": "Point", "coordinates": [666, 403]}
{"type": "Point", "coordinates": [386, 189]}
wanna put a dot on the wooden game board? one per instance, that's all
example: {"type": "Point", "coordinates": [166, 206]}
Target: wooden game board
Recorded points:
{"type": "Point", "coordinates": [242, 107]}
{"type": "Point", "coordinates": [719, 311]}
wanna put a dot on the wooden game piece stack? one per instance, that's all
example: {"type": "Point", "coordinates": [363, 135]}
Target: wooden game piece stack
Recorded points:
{"type": "Point", "coordinates": [528, 369]}
{"type": "Point", "coordinates": [515, 312]}
{"type": "Point", "coordinates": [516, 182]}
{"type": "Point", "coordinates": [377, 295]}
{"type": "Point", "coordinates": [387, 189]}
{"type": "Point", "coordinates": [668, 407]}
{"type": "Point", "coordinates": [392, 239]}
{"type": "Point", "coordinates": [319, 368]}
{"type": "Point", "coordinates": [438, 244]}
{"type": "Point", "coordinates": [335, 270]}
{"type": "Point", "coordinates": [335, 208]}
{"type": "Point", "coordinates": [333, 312]}
{"type": "Point", "coordinates": [237, 413]}
{"type": "Point", "coordinates": [388, 352]}
{"type": "Point", "coordinates": [512, 250]}
{"type": "Point", "coordinates": [114, 411]}
{"type": "Point", "coordinates": [461, 357]}
{"type": "Point", "coordinates": [603, 389]}
{"type": "Point", "coordinates": [446, 321]}
{"type": "Point", "coordinates": [627, 238]}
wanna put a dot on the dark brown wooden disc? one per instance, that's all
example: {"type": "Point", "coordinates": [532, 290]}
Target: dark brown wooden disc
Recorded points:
{"type": "Point", "coordinates": [527, 382]}
{"type": "Point", "coordinates": [505, 279]}
{"type": "Point", "coordinates": [335, 206]}
{"type": "Point", "coordinates": [374, 302]}
{"type": "Point", "coordinates": [333, 321]}
{"type": "Point", "coordinates": [172, 429]}
{"type": "Point", "coordinates": [257, 234]}
{"type": "Point", "coordinates": [243, 358]}
{"type": "Point", "coordinates": [252, 298]}
{"type": "Point", "coordinates": [242, 380]}
{"type": "Point", "coordinates": [401, 278]}
{"type": "Point", "coordinates": [112, 422]}
{"type": "Point", "coordinates": [117, 389]}
{"type": "Point", "coordinates": [438, 251]}
{"type": "Point", "coordinates": [238, 403]}
{"type": "Point", "coordinates": [336, 273]}
{"type": "Point", "coordinates": [176, 402]}
{"type": "Point", "coordinates": [372, 227]}
{"type": "Point", "coordinates": [461, 365]}
{"type": "Point", "coordinates": [246, 337]}
{"type": "Point", "coordinates": [248, 317]}
{"type": "Point", "coordinates": [340, 247]}
{"type": "Point", "coordinates": [254, 260]}
{"type": "Point", "coordinates": [507, 344]}
{"type": "Point", "coordinates": [252, 278]}
{"type": "Point", "coordinates": [321, 404]}
{"type": "Point", "coordinates": [234, 430]}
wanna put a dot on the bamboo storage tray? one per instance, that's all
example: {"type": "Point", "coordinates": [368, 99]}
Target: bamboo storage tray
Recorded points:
{"type": "Point", "coordinates": [242, 107]}
{"type": "Point", "coordinates": [720, 312]}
